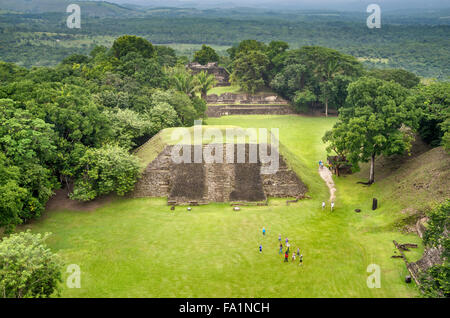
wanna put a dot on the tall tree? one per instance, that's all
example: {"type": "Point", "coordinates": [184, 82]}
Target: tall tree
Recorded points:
{"type": "Point", "coordinates": [205, 55]}
{"type": "Point", "coordinates": [28, 269]}
{"type": "Point", "coordinates": [370, 123]}
{"type": "Point", "coordinates": [131, 43]}
{"type": "Point", "coordinates": [249, 70]}
{"type": "Point", "coordinates": [205, 83]}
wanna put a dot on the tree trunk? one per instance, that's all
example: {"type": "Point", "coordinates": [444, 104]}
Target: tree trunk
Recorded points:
{"type": "Point", "coordinates": [372, 169]}
{"type": "Point", "coordinates": [326, 107]}
{"type": "Point", "coordinates": [204, 96]}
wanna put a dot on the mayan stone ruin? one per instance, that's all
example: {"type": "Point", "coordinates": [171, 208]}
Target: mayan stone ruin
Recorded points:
{"type": "Point", "coordinates": [217, 182]}
{"type": "Point", "coordinates": [222, 76]}
{"type": "Point", "coordinates": [247, 104]}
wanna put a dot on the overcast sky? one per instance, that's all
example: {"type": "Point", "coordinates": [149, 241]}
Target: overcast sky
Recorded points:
{"type": "Point", "coordinates": [297, 4]}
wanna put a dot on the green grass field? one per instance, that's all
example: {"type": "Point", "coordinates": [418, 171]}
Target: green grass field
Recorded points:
{"type": "Point", "coordinates": [139, 248]}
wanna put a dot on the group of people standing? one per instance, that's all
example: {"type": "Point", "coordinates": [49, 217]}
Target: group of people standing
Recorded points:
{"type": "Point", "coordinates": [287, 251]}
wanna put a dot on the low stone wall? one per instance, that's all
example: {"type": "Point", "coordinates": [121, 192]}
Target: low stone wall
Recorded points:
{"type": "Point", "coordinates": [216, 182]}
{"type": "Point", "coordinates": [225, 110]}
{"type": "Point", "coordinates": [232, 98]}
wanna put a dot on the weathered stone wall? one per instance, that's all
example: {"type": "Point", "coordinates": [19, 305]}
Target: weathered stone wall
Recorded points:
{"type": "Point", "coordinates": [222, 76]}
{"type": "Point", "coordinates": [431, 255]}
{"type": "Point", "coordinates": [216, 182]}
{"type": "Point", "coordinates": [225, 110]}
{"type": "Point", "coordinates": [232, 98]}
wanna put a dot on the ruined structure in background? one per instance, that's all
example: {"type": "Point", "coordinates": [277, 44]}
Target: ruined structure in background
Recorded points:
{"type": "Point", "coordinates": [247, 104]}
{"type": "Point", "coordinates": [222, 76]}
{"type": "Point", "coordinates": [217, 182]}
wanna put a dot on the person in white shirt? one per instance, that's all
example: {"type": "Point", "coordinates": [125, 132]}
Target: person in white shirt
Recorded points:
{"type": "Point", "coordinates": [323, 205]}
{"type": "Point", "coordinates": [332, 206]}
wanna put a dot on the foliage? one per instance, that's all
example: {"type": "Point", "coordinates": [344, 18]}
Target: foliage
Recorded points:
{"type": "Point", "coordinates": [105, 170]}
{"type": "Point", "coordinates": [249, 70]}
{"type": "Point", "coordinates": [162, 115]}
{"type": "Point", "coordinates": [435, 282]}
{"type": "Point", "coordinates": [370, 123]}
{"type": "Point", "coordinates": [205, 55]}
{"type": "Point", "coordinates": [28, 269]}
{"type": "Point", "coordinates": [131, 43]}
{"type": "Point", "coordinates": [403, 77]}
{"type": "Point", "coordinates": [27, 149]}
{"type": "Point", "coordinates": [55, 118]}
{"type": "Point", "coordinates": [434, 101]}
{"type": "Point", "coordinates": [318, 71]}
{"type": "Point", "coordinates": [205, 83]}
{"type": "Point", "coordinates": [437, 227]}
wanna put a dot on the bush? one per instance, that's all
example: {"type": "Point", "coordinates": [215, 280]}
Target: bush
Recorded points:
{"type": "Point", "coordinates": [28, 269]}
{"type": "Point", "coordinates": [435, 282]}
{"type": "Point", "coordinates": [105, 170]}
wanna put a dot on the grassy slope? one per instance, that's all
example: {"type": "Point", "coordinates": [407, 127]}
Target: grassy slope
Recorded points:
{"type": "Point", "coordinates": [138, 248]}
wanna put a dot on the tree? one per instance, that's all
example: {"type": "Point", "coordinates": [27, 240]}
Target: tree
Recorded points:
{"type": "Point", "coordinates": [28, 149]}
{"type": "Point", "coordinates": [28, 269]}
{"type": "Point", "coordinates": [246, 46]}
{"type": "Point", "coordinates": [403, 77]}
{"type": "Point", "coordinates": [369, 125]}
{"type": "Point", "coordinates": [249, 70]}
{"type": "Point", "coordinates": [205, 55]}
{"type": "Point", "coordinates": [128, 126]}
{"type": "Point", "coordinates": [435, 282]}
{"type": "Point", "coordinates": [105, 170]}
{"type": "Point", "coordinates": [131, 43]}
{"type": "Point", "coordinates": [303, 99]}
{"type": "Point", "coordinates": [434, 101]}
{"type": "Point", "coordinates": [205, 83]}
{"type": "Point", "coordinates": [329, 71]}
{"type": "Point", "coordinates": [324, 72]}
{"type": "Point", "coordinates": [181, 102]}
{"type": "Point", "coordinates": [183, 81]}
{"type": "Point", "coordinates": [290, 81]}
{"type": "Point", "coordinates": [161, 116]}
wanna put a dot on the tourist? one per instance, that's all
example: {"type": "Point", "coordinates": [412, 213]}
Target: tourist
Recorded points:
{"type": "Point", "coordinates": [264, 231]}
{"type": "Point", "coordinates": [320, 164]}
{"type": "Point", "coordinates": [286, 257]}
{"type": "Point", "coordinates": [287, 240]}
{"type": "Point", "coordinates": [293, 257]}
{"type": "Point", "coordinates": [288, 245]}
{"type": "Point", "coordinates": [323, 205]}
{"type": "Point", "coordinates": [279, 238]}
{"type": "Point", "coordinates": [260, 248]}
{"type": "Point", "coordinates": [332, 206]}
{"type": "Point", "coordinates": [281, 248]}
{"type": "Point", "coordinates": [300, 260]}
{"type": "Point", "coordinates": [298, 251]}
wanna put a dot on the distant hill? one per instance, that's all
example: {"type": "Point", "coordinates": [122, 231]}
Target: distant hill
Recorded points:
{"type": "Point", "coordinates": [88, 8]}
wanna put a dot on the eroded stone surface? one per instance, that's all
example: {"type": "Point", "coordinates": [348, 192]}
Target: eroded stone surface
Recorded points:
{"type": "Point", "coordinates": [217, 182]}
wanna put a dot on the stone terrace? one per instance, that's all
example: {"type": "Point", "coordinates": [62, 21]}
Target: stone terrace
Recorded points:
{"type": "Point", "coordinates": [216, 182]}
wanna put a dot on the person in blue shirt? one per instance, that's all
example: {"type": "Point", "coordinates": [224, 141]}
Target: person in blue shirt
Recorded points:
{"type": "Point", "coordinates": [260, 248]}
{"type": "Point", "coordinates": [264, 231]}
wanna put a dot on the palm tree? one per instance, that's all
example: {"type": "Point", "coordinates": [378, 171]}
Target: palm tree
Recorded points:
{"type": "Point", "coordinates": [205, 82]}
{"type": "Point", "coordinates": [328, 74]}
{"type": "Point", "coordinates": [185, 82]}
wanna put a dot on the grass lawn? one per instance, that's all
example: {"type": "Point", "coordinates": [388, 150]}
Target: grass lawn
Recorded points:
{"type": "Point", "coordinates": [139, 248]}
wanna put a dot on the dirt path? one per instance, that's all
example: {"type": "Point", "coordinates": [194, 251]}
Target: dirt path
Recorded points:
{"type": "Point", "coordinates": [328, 178]}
